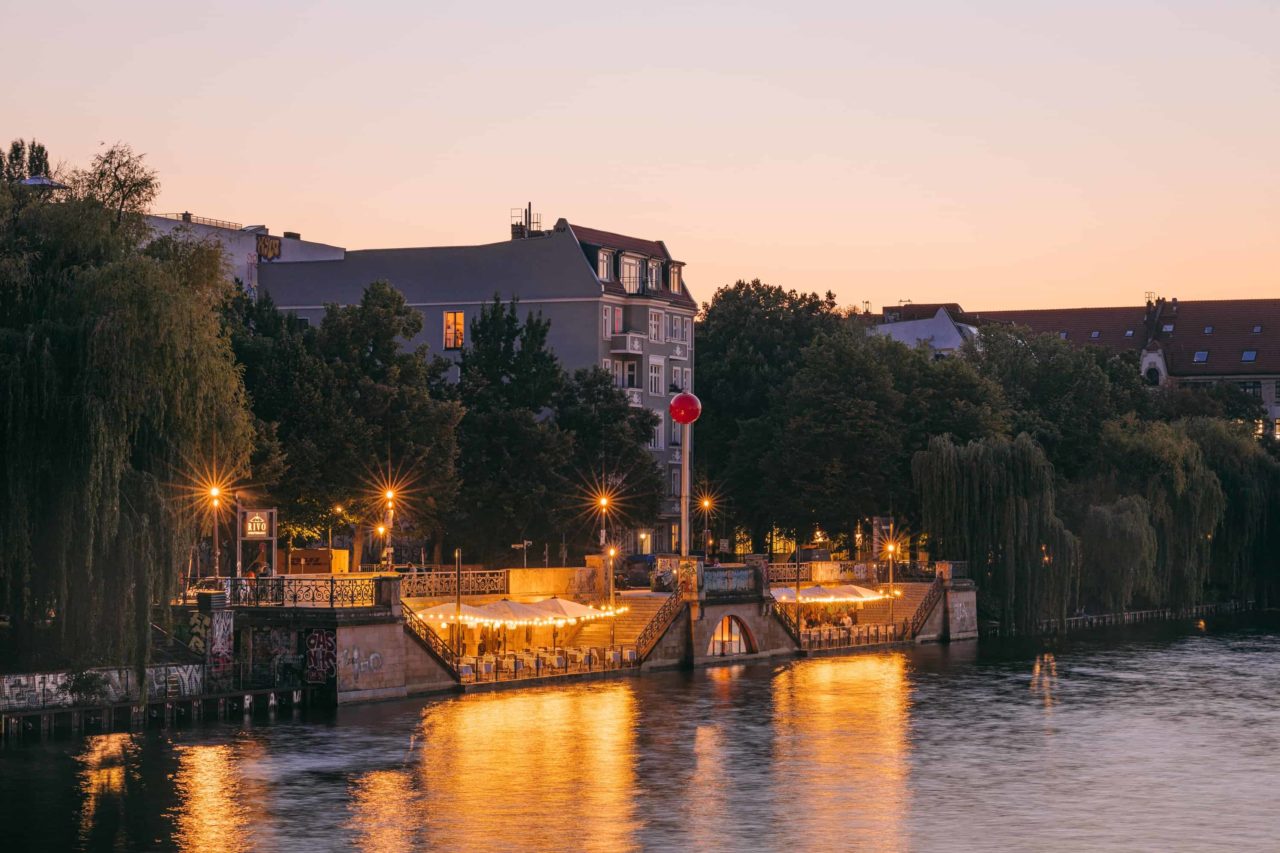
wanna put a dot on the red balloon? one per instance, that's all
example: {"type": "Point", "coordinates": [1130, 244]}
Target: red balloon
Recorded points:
{"type": "Point", "coordinates": [685, 408]}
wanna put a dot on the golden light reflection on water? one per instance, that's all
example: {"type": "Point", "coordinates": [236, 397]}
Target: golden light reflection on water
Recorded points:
{"type": "Point", "coordinates": [841, 740]}
{"type": "Point", "coordinates": [215, 801]}
{"type": "Point", "coordinates": [102, 781]}
{"type": "Point", "coordinates": [545, 769]}
{"type": "Point", "coordinates": [1044, 678]}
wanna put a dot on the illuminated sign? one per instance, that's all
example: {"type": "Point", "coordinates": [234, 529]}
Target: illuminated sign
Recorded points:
{"type": "Point", "coordinates": [268, 247]}
{"type": "Point", "coordinates": [257, 523]}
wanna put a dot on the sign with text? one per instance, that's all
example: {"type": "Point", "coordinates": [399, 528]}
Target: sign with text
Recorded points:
{"type": "Point", "coordinates": [258, 524]}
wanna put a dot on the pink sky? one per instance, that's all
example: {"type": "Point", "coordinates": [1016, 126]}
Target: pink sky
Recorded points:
{"type": "Point", "coordinates": [998, 154]}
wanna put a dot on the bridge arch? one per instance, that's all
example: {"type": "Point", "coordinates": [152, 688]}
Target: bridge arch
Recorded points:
{"type": "Point", "coordinates": [731, 637]}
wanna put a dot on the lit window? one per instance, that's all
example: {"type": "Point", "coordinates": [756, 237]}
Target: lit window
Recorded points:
{"type": "Point", "coordinates": [1201, 356]}
{"type": "Point", "coordinates": [1208, 330]}
{"type": "Point", "coordinates": [618, 328]}
{"type": "Point", "coordinates": [655, 326]}
{"type": "Point", "coordinates": [1094, 334]}
{"type": "Point", "coordinates": [603, 265]}
{"type": "Point", "coordinates": [453, 329]}
{"type": "Point", "coordinates": [1128, 333]}
{"type": "Point", "coordinates": [1249, 355]}
{"type": "Point", "coordinates": [631, 275]}
{"type": "Point", "coordinates": [1277, 433]}
{"type": "Point", "coordinates": [675, 279]}
{"type": "Point", "coordinates": [1167, 327]}
{"type": "Point", "coordinates": [655, 378]}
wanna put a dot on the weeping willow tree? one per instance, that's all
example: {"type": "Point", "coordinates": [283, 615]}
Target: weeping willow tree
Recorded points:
{"type": "Point", "coordinates": [1161, 463]}
{"type": "Point", "coordinates": [991, 502]}
{"type": "Point", "coordinates": [118, 385]}
{"type": "Point", "coordinates": [1118, 549]}
{"type": "Point", "coordinates": [1246, 540]}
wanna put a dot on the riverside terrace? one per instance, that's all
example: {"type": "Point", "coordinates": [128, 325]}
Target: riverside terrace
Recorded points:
{"type": "Point", "coordinates": [241, 646]}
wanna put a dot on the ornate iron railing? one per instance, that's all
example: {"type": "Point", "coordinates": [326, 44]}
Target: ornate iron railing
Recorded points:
{"type": "Point", "coordinates": [435, 584]}
{"type": "Point", "coordinates": [658, 625]}
{"type": "Point", "coordinates": [785, 573]}
{"type": "Point", "coordinates": [326, 592]}
{"type": "Point", "coordinates": [926, 606]}
{"type": "Point", "coordinates": [433, 641]}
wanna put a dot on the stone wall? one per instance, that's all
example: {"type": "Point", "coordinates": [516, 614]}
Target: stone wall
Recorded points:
{"type": "Point", "coordinates": [766, 635]}
{"type": "Point", "coordinates": [673, 648]}
{"type": "Point", "coordinates": [962, 614]}
{"type": "Point", "coordinates": [370, 661]}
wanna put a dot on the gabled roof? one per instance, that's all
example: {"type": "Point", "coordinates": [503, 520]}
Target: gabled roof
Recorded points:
{"type": "Point", "coordinates": [1232, 321]}
{"type": "Point", "coordinates": [1079, 324]}
{"type": "Point", "coordinates": [621, 242]}
{"type": "Point", "coordinates": [532, 269]}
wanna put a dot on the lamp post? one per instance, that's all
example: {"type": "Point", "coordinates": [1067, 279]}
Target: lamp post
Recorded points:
{"type": "Point", "coordinates": [613, 552]}
{"type": "Point", "coordinates": [337, 510]}
{"type": "Point", "coordinates": [890, 549]}
{"type": "Point", "coordinates": [457, 605]}
{"type": "Point", "coordinates": [685, 409]}
{"type": "Point", "coordinates": [706, 525]}
{"type": "Point", "coordinates": [391, 512]}
{"type": "Point", "coordinates": [215, 500]}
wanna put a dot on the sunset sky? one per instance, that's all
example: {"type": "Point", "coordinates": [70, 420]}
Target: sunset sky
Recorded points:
{"type": "Point", "coordinates": [998, 154]}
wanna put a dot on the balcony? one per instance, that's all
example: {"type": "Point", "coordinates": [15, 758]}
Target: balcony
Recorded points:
{"type": "Point", "coordinates": [679, 352]}
{"type": "Point", "coordinates": [635, 397]}
{"type": "Point", "coordinates": [628, 343]}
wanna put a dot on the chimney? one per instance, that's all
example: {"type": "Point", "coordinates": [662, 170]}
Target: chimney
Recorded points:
{"type": "Point", "coordinates": [292, 235]}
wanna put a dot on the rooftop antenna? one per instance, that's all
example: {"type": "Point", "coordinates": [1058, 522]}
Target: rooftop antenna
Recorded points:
{"type": "Point", "coordinates": [524, 222]}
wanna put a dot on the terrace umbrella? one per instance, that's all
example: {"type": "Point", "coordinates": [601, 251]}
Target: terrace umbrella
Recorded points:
{"type": "Point", "coordinates": [447, 614]}
{"type": "Point", "coordinates": [510, 613]}
{"type": "Point", "coordinates": [852, 592]}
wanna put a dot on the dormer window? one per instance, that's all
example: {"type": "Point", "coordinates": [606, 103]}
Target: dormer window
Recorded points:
{"type": "Point", "coordinates": [1257, 330]}
{"type": "Point", "coordinates": [655, 275]}
{"type": "Point", "coordinates": [1208, 330]}
{"type": "Point", "coordinates": [1128, 333]}
{"type": "Point", "coordinates": [631, 274]}
{"type": "Point", "coordinates": [604, 264]}
{"type": "Point", "coordinates": [1201, 356]}
{"type": "Point", "coordinates": [1167, 328]}
{"type": "Point", "coordinates": [675, 279]}
{"type": "Point", "coordinates": [1249, 355]}
{"type": "Point", "coordinates": [1094, 334]}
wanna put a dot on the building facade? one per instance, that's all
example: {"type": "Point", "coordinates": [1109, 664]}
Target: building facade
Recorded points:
{"type": "Point", "coordinates": [615, 302]}
{"type": "Point", "coordinates": [247, 248]}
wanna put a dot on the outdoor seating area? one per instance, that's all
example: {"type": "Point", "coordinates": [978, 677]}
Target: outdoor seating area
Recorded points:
{"type": "Point", "coordinates": [848, 636]}
{"type": "Point", "coordinates": [544, 662]}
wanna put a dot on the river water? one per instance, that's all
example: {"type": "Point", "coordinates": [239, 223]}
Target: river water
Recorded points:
{"type": "Point", "coordinates": [1154, 738]}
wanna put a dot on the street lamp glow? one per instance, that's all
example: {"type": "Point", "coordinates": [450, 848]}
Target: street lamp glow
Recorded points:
{"type": "Point", "coordinates": [381, 529]}
{"type": "Point", "coordinates": [390, 494]}
{"type": "Point", "coordinates": [338, 509]}
{"type": "Point", "coordinates": [214, 491]}
{"type": "Point", "coordinates": [604, 502]}
{"type": "Point", "coordinates": [613, 552]}
{"type": "Point", "coordinates": [706, 503]}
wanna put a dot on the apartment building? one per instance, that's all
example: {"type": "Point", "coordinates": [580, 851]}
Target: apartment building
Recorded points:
{"type": "Point", "coordinates": [614, 301]}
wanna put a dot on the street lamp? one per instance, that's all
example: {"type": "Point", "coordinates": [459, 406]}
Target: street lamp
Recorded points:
{"type": "Point", "coordinates": [890, 549]}
{"type": "Point", "coordinates": [391, 510]}
{"type": "Point", "coordinates": [613, 552]}
{"type": "Point", "coordinates": [215, 500]}
{"type": "Point", "coordinates": [603, 503]}
{"type": "Point", "coordinates": [706, 525]}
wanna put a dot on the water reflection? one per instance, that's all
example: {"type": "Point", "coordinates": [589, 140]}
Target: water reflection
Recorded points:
{"type": "Point", "coordinates": [1162, 744]}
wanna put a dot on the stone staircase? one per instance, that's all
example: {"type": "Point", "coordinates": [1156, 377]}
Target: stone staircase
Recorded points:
{"type": "Point", "coordinates": [904, 607]}
{"type": "Point", "coordinates": [641, 608]}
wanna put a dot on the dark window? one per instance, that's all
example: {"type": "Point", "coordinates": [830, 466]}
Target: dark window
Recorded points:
{"type": "Point", "coordinates": [1257, 330]}
{"type": "Point", "coordinates": [1062, 335]}
{"type": "Point", "coordinates": [1167, 327]}
{"type": "Point", "coordinates": [1128, 333]}
{"type": "Point", "coordinates": [1253, 389]}
{"type": "Point", "coordinates": [1201, 356]}
{"type": "Point", "coordinates": [1249, 355]}
{"type": "Point", "coordinates": [1208, 330]}
{"type": "Point", "coordinates": [1094, 334]}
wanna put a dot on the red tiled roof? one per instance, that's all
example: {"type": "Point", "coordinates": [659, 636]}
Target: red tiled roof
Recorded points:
{"type": "Point", "coordinates": [609, 240]}
{"type": "Point", "coordinates": [1111, 324]}
{"type": "Point", "coordinates": [1232, 322]}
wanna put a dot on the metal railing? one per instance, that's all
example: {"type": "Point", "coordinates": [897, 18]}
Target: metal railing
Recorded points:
{"type": "Point", "coordinates": [420, 629]}
{"type": "Point", "coordinates": [201, 220]}
{"type": "Point", "coordinates": [436, 584]}
{"type": "Point", "coordinates": [930, 600]}
{"type": "Point", "coordinates": [658, 625]}
{"type": "Point", "coordinates": [285, 591]}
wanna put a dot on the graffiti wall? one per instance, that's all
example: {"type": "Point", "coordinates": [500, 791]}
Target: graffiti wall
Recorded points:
{"type": "Point", "coordinates": [321, 655]}
{"type": "Point", "coordinates": [221, 641]}
{"type": "Point", "coordinates": [97, 687]}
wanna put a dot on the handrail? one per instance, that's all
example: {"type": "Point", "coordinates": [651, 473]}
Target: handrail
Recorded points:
{"type": "Point", "coordinates": [285, 591]}
{"type": "Point", "coordinates": [658, 625]}
{"type": "Point", "coordinates": [788, 625]}
{"type": "Point", "coordinates": [435, 644]}
{"type": "Point", "coordinates": [930, 600]}
{"type": "Point", "coordinates": [434, 584]}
